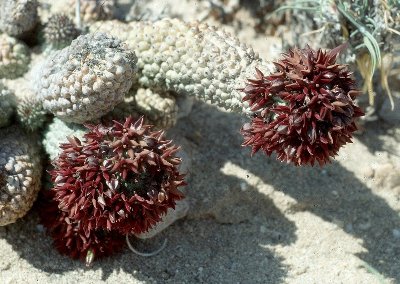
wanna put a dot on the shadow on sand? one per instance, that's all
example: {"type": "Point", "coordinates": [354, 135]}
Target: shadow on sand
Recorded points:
{"type": "Point", "coordinates": [363, 214]}
{"type": "Point", "coordinates": [201, 249]}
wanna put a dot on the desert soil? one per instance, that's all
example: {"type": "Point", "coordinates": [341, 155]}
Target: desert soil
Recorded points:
{"type": "Point", "coordinates": [251, 219]}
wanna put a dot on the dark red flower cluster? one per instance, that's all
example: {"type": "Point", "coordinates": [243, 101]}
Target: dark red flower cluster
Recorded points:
{"type": "Point", "coordinates": [69, 236]}
{"type": "Point", "coordinates": [304, 112]}
{"type": "Point", "coordinates": [119, 180]}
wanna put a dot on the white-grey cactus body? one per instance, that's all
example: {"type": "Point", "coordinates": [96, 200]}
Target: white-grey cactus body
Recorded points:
{"type": "Point", "coordinates": [20, 174]}
{"type": "Point", "coordinates": [190, 58]}
{"type": "Point", "coordinates": [57, 133]}
{"type": "Point", "coordinates": [87, 79]}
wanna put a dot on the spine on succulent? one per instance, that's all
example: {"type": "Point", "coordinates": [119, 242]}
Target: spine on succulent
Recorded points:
{"type": "Point", "coordinates": [7, 103]}
{"type": "Point", "coordinates": [14, 57]}
{"type": "Point", "coordinates": [18, 17]}
{"type": "Point", "coordinates": [304, 111]}
{"type": "Point", "coordinates": [30, 113]}
{"type": "Point", "coordinates": [158, 109]}
{"type": "Point", "coordinates": [87, 79]}
{"type": "Point", "coordinates": [122, 177]}
{"type": "Point", "coordinates": [59, 31]}
{"type": "Point", "coordinates": [189, 58]}
{"type": "Point", "coordinates": [20, 173]}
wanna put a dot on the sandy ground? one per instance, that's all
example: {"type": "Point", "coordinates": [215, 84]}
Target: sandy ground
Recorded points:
{"type": "Point", "coordinates": [251, 220]}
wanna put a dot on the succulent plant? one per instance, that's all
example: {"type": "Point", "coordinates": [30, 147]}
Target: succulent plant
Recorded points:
{"type": "Point", "coordinates": [30, 112]}
{"type": "Point", "coordinates": [20, 173]}
{"type": "Point", "coordinates": [96, 10]}
{"type": "Point", "coordinates": [90, 10]}
{"type": "Point", "coordinates": [55, 134]}
{"type": "Point", "coordinates": [305, 110]}
{"type": "Point", "coordinates": [14, 57]}
{"type": "Point", "coordinates": [87, 79]}
{"type": "Point", "coordinates": [70, 238]}
{"type": "Point", "coordinates": [6, 105]}
{"type": "Point", "coordinates": [59, 31]}
{"type": "Point", "coordinates": [18, 16]}
{"type": "Point", "coordinates": [159, 109]}
{"type": "Point", "coordinates": [120, 178]}
{"type": "Point", "coordinates": [191, 59]}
